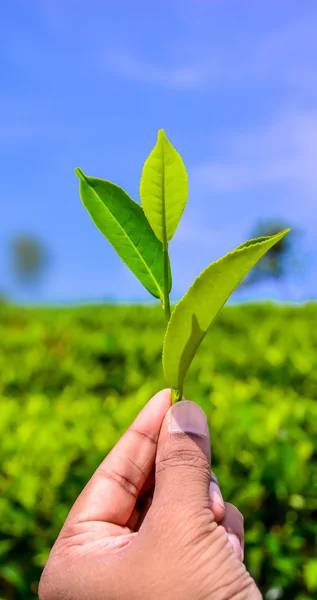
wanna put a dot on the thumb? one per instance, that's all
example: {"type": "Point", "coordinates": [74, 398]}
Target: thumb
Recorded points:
{"type": "Point", "coordinates": [183, 457]}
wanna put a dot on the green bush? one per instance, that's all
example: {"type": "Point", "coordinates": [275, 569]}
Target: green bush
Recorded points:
{"type": "Point", "coordinates": [71, 381]}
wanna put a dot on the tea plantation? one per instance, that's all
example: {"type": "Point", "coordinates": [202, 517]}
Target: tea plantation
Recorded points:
{"type": "Point", "coordinates": [71, 381]}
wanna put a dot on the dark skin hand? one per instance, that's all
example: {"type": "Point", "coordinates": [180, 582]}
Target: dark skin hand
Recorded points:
{"type": "Point", "coordinates": [151, 522]}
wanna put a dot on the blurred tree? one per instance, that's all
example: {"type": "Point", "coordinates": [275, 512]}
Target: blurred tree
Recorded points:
{"type": "Point", "coordinates": [280, 260]}
{"type": "Point", "coordinates": [29, 259]}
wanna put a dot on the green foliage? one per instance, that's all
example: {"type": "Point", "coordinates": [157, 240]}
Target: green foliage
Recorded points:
{"type": "Point", "coordinates": [164, 188]}
{"type": "Point", "coordinates": [196, 311]}
{"type": "Point", "coordinates": [310, 574]}
{"type": "Point", "coordinates": [72, 380]}
{"type": "Point", "coordinates": [122, 222]}
{"type": "Point", "coordinates": [164, 192]}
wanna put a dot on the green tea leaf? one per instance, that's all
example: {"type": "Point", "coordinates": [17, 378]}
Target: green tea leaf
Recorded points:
{"type": "Point", "coordinates": [123, 222]}
{"type": "Point", "coordinates": [196, 311]}
{"type": "Point", "coordinates": [164, 188]}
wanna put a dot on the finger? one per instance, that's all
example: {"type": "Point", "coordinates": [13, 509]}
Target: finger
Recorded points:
{"type": "Point", "coordinates": [183, 457]}
{"type": "Point", "coordinates": [111, 493]}
{"type": "Point", "coordinates": [233, 523]}
{"type": "Point", "coordinates": [143, 504]}
{"type": "Point", "coordinates": [149, 483]}
{"type": "Point", "coordinates": [217, 504]}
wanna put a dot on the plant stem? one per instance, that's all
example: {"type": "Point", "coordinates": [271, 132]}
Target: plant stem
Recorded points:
{"type": "Point", "coordinates": [176, 395]}
{"type": "Point", "coordinates": [167, 306]}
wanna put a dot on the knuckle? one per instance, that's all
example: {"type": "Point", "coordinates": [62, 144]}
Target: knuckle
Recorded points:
{"type": "Point", "coordinates": [177, 457]}
{"type": "Point", "coordinates": [120, 479]}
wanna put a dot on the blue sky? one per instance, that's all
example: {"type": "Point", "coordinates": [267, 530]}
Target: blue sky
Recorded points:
{"type": "Point", "coordinates": [234, 85]}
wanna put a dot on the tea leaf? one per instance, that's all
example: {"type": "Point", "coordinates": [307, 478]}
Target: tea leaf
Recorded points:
{"type": "Point", "coordinates": [123, 222]}
{"type": "Point", "coordinates": [196, 311]}
{"type": "Point", "coordinates": [164, 188]}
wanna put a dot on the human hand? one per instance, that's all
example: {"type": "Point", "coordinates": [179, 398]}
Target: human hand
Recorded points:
{"type": "Point", "coordinates": [132, 536]}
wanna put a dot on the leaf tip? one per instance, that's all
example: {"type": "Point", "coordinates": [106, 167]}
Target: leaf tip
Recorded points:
{"type": "Point", "coordinates": [161, 135]}
{"type": "Point", "coordinates": [283, 233]}
{"type": "Point", "coordinates": [79, 174]}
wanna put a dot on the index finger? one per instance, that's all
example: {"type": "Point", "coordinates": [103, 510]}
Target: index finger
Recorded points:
{"type": "Point", "coordinates": [111, 493]}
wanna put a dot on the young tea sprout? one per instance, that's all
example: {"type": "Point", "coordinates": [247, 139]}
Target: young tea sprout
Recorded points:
{"type": "Point", "coordinates": [141, 234]}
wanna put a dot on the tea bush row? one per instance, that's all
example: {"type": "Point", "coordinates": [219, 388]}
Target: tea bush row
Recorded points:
{"type": "Point", "coordinates": [71, 381]}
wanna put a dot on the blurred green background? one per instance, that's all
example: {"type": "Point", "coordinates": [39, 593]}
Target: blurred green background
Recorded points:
{"type": "Point", "coordinates": [72, 379]}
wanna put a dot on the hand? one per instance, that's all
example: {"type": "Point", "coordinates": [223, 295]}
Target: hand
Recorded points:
{"type": "Point", "coordinates": [131, 535]}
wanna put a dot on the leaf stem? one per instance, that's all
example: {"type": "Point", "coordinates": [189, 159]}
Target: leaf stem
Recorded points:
{"type": "Point", "coordinates": [176, 395]}
{"type": "Point", "coordinates": [167, 306]}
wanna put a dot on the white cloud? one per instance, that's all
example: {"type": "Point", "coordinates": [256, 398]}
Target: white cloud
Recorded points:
{"type": "Point", "coordinates": [180, 77]}
{"type": "Point", "coordinates": [282, 152]}
{"type": "Point", "coordinates": [285, 56]}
